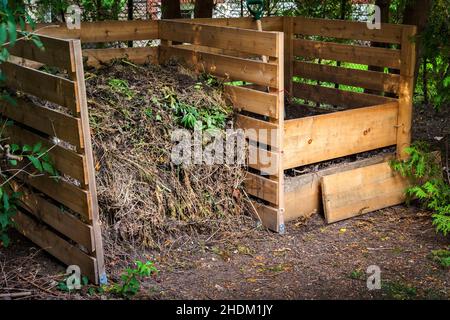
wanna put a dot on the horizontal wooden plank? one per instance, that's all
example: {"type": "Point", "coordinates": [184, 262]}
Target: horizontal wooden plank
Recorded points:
{"type": "Point", "coordinates": [386, 82]}
{"type": "Point", "coordinates": [380, 57]}
{"type": "Point", "coordinates": [48, 121]}
{"type": "Point", "coordinates": [268, 216]}
{"type": "Point", "coordinates": [266, 161]}
{"type": "Point", "coordinates": [55, 217]}
{"type": "Point", "coordinates": [104, 31]}
{"type": "Point", "coordinates": [303, 196]}
{"type": "Point", "coordinates": [342, 98]}
{"type": "Point", "coordinates": [55, 245]}
{"type": "Point", "coordinates": [61, 191]}
{"type": "Point", "coordinates": [139, 55]}
{"type": "Point", "coordinates": [229, 68]}
{"type": "Point", "coordinates": [65, 161]}
{"type": "Point", "coordinates": [328, 136]}
{"type": "Point", "coordinates": [355, 192]}
{"type": "Point", "coordinates": [228, 38]}
{"type": "Point", "coordinates": [261, 187]}
{"type": "Point", "coordinates": [274, 23]}
{"type": "Point", "coordinates": [258, 130]}
{"type": "Point", "coordinates": [55, 53]}
{"type": "Point", "coordinates": [389, 33]}
{"type": "Point", "coordinates": [262, 103]}
{"type": "Point", "coordinates": [40, 84]}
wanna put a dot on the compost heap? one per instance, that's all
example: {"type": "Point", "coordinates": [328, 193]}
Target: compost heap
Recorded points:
{"type": "Point", "coordinates": [143, 197]}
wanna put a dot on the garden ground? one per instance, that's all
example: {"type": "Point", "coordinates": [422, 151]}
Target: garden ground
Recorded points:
{"type": "Point", "coordinates": [311, 261]}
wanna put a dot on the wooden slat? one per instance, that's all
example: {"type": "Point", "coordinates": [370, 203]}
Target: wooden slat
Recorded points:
{"type": "Point", "coordinates": [56, 52]}
{"type": "Point", "coordinates": [48, 121]}
{"type": "Point", "coordinates": [254, 101]}
{"type": "Point", "coordinates": [268, 216]}
{"type": "Point", "coordinates": [55, 217]}
{"type": "Point", "coordinates": [266, 161]}
{"type": "Point", "coordinates": [142, 55]}
{"type": "Point", "coordinates": [65, 161]}
{"type": "Point", "coordinates": [261, 187]}
{"type": "Point", "coordinates": [406, 91]}
{"type": "Point", "coordinates": [61, 191]}
{"type": "Point", "coordinates": [230, 68]}
{"type": "Point", "coordinates": [328, 136]}
{"type": "Point", "coordinates": [352, 193]}
{"type": "Point", "coordinates": [55, 245]}
{"type": "Point", "coordinates": [380, 57]}
{"type": "Point", "coordinates": [228, 38]}
{"type": "Point", "coordinates": [386, 82]}
{"type": "Point", "coordinates": [303, 196]}
{"type": "Point", "coordinates": [389, 33]}
{"type": "Point", "coordinates": [288, 31]}
{"type": "Point", "coordinates": [258, 130]}
{"type": "Point", "coordinates": [342, 98]}
{"type": "Point", "coordinates": [104, 31]}
{"type": "Point", "coordinates": [78, 77]}
{"type": "Point", "coordinates": [40, 84]}
{"type": "Point", "coordinates": [268, 23]}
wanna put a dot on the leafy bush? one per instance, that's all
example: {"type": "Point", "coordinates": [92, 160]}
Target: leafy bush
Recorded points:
{"type": "Point", "coordinates": [427, 183]}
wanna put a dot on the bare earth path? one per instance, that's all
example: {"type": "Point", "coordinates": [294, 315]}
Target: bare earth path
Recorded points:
{"type": "Point", "coordinates": [312, 261]}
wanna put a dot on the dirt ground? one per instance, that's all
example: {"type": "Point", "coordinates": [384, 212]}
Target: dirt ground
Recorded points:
{"type": "Point", "coordinates": [312, 260]}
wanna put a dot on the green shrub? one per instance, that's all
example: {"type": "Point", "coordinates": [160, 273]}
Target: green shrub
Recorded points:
{"type": "Point", "coordinates": [427, 183]}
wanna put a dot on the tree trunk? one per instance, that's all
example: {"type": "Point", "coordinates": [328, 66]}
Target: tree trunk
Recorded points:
{"type": "Point", "coordinates": [417, 13]}
{"type": "Point", "coordinates": [203, 8]}
{"type": "Point", "coordinates": [170, 9]}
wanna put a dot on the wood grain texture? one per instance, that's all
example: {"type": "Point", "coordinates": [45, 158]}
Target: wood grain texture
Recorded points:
{"type": "Point", "coordinates": [380, 57]}
{"type": "Point", "coordinates": [45, 120]}
{"type": "Point", "coordinates": [228, 38]}
{"type": "Point", "coordinates": [355, 192]}
{"type": "Point", "coordinates": [55, 245]}
{"type": "Point", "coordinates": [103, 31]}
{"type": "Point", "coordinates": [303, 195]}
{"type": "Point", "coordinates": [261, 187]}
{"type": "Point", "coordinates": [386, 82]}
{"type": "Point", "coordinates": [229, 68]}
{"type": "Point", "coordinates": [55, 52]}
{"type": "Point", "coordinates": [139, 55]}
{"type": "Point", "coordinates": [328, 136]}
{"type": "Point", "coordinates": [40, 84]}
{"type": "Point", "coordinates": [247, 99]}
{"type": "Point", "coordinates": [342, 98]}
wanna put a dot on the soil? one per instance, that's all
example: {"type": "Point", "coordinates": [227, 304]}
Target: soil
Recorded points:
{"type": "Point", "coordinates": [312, 260]}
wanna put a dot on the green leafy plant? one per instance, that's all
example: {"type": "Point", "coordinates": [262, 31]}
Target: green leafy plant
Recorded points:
{"type": "Point", "coordinates": [427, 183]}
{"type": "Point", "coordinates": [131, 279]}
{"type": "Point", "coordinates": [122, 87]}
{"type": "Point", "coordinates": [188, 115]}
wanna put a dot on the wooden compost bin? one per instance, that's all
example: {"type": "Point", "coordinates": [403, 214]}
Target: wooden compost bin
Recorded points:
{"type": "Point", "coordinates": [230, 49]}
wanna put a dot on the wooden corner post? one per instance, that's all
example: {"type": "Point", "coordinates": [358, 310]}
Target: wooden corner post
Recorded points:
{"type": "Point", "coordinates": [81, 100]}
{"type": "Point", "coordinates": [288, 30]}
{"type": "Point", "coordinates": [278, 150]}
{"type": "Point", "coordinates": [406, 90]}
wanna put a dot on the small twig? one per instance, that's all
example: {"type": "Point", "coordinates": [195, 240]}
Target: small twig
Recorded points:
{"type": "Point", "coordinates": [15, 294]}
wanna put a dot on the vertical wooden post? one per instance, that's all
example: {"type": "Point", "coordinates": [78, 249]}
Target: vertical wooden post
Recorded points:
{"type": "Point", "coordinates": [279, 177]}
{"type": "Point", "coordinates": [288, 30]}
{"type": "Point", "coordinates": [78, 76]}
{"type": "Point", "coordinates": [406, 90]}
